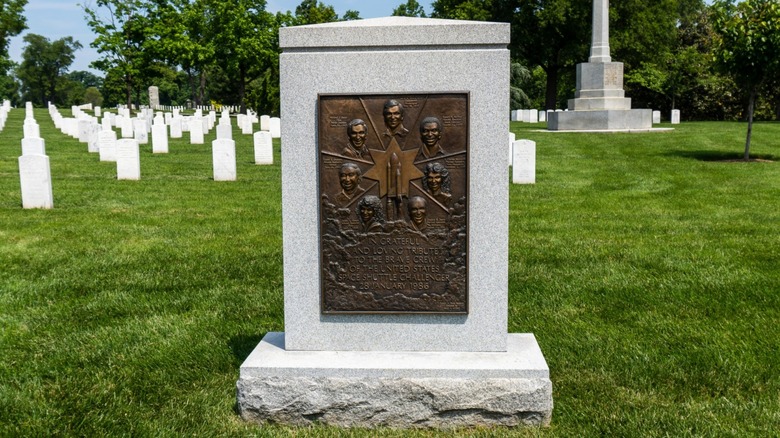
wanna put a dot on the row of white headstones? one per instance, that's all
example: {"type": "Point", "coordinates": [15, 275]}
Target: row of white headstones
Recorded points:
{"type": "Point", "coordinates": [34, 169]}
{"type": "Point", "coordinates": [522, 153]}
{"type": "Point", "coordinates": [100, 137]}
{"type": "Point", "coordinates": [540, 116]}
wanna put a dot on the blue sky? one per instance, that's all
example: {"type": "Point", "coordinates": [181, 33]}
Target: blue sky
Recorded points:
{"type": "Point", "coordinates": [56, 19]}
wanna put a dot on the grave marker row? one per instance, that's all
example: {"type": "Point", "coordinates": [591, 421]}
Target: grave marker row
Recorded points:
{"type": "Point", "coordinates": [34, 166]}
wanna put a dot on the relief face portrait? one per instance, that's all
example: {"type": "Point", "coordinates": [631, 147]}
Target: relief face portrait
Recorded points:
{"type": "Point", "coordinates": [356, 132]}
{"type": "Point", "coordinates": [393, 207]}
{"type": "Point", "coordinates": [416, 207]}
{"type": "Point", "coordinates": [349, 179]}
{"type": "Point", "coordinates": [437, 182]}
{"type": "Point", "coordinates": [370, 212]}
{"type": "Point", "coordinates": [430, 134]}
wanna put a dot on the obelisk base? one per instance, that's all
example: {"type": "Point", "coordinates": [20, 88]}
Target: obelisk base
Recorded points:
{"type": "Point", "coordinates": [601, 120]}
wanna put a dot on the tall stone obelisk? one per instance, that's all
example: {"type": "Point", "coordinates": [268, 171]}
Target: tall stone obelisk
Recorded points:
{"type": "Point", "coordinates": [599, 103]}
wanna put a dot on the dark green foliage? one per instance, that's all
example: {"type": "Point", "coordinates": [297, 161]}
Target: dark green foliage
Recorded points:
{"type": "Point", "coordinates": [409, 9]}
{"type": "Point", "coordinates": [85, 78]}
{"type": "Point", "coordinates": [747, 47]}
{"type": "Point", "coordinates": [647, 268]}
{"type": "Point", "coordinates": [314, 12]}
{"type": "Point", "coordinates": [44, 67]}
{"type": "Point", "coordinates": [12, 23]}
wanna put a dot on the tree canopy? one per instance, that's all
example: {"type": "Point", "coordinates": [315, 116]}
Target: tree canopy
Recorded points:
{"type": "Point", "coordinates": [409, 9]}
{"type": "Point", "coordinates": [227, 51]}
{"type": "Point", "coordinates": [12, 23]}
{"type": "Point", "coordinates": [44, 66]}
{"type": "Point", "coordinates": [747, 46]}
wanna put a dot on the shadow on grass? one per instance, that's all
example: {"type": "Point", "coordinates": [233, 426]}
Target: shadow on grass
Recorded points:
{"type": "Point", "coordinates": [721, 156]}
{"type": "Point", "coordinates": [242, 345]}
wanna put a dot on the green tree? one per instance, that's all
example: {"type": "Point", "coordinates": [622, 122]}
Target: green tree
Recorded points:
{"type": "Point", "coordinates": [672, 76]}
{"type": "Point", "coordinates": [479, 10]}
{"type": "Point", "coordinates": [551, 34]}
{"type": "Point", "coordinates": [85, 78]}
{"type": "Point", "coordinates": [181, 38]}
{"type": "Point", "coordinates": [245, 38]}
{"type": "Point", "coordinates": [122, 28]}
{"type": "Point", "coordinates": [747, 46]}
{"type": "Point", "coordinates": [12, 23]}
{"type": "Point", "coordinates": [44, 67]}
{"type": "Point", "coordinates": [351, 15]}
{"type": "Point", "coordinates": [92, 95]}
{"type": "Point", "coordinates": [314, 12]}
{"type": "Point", "coordinates": [519, 75]}
{"type": "Point", "coordinates": [409, 9]}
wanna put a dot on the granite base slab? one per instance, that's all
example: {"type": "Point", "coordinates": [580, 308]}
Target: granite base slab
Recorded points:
{"type": "Point", "coordinates": [396, 389]}
{"type": "Point", "coordinates": [600, 120]}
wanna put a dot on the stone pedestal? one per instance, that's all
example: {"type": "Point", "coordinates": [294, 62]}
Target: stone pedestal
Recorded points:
{"type": "Point", "coordinates": [599, 87]}
{"type": "Point", "coordinates": [397, 369]}
{"type": "Point", "coordinates": [601, 120]}
{"type": "Point", "coordinates": [599, 103]}
{"type": "Point", "coordinates": [396, 389]}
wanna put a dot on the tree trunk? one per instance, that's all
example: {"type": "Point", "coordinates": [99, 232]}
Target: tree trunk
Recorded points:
{"type": "Point", "coordinates": [242, 89]}
{"type": "Point", "coordinates": [202, 89]}
{"type": "Point", "coordinates": [751, 105]}
{"type": "Point", "coordinates": [193, 87]}
{"type": "Point", "coordinates": [551, 89]}
{"type": "Point", "coordinates": [129, 91]}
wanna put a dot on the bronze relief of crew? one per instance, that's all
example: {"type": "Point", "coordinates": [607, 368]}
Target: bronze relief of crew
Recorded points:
{"type": "Point", "coordinates": [436, 186]}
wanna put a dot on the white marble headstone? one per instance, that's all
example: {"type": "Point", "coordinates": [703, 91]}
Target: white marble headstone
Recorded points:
{"type": "Point", "coordinates": [675, 117]}
{"type": "Point", "coordinates": [107, 145]}
{"type": "Point", "coordinates": [35, 181]}
{"type": "Point", "coordinates": [126, 126]}
{"type": "Point", "coordinates": [246, 128]}
{"type": "Point", "coordinates": [542, 116]}
{"type": "Point", "coordinates": [276, 127]}
{"type": "Point", "coordinates": [31, 129]}
{"type": "Point", "coordinates": [176, 127]}
{"type": "Point", "coordinates": [93, 143]}
{"type": "Point", "coordinates": [265, 123]}
{"type": "Point", "coordinates": [656, 117]}
{"type": "Point", "coordinates": [224, 159]}
{"type": "Point", "coordinates": [511, 147]}
{"type": "Point", "coordinates": [264, 151]}
{"type": "Point", "coordinates": [224, 131]}
{"type": "Point", "coordinates": [196, 130]}
{"type": "Point", "coordinates": [33, 146]}
{"type": "Point", "coordinates": [139, 131]}
{"type": "Point", "coordinates": [72, 127]}
{"type": "Point", "coordinates": [160, 138]}
{"type": "Point", "coordinates": [128, 159]}
{"type": "Point", "coordinates": [524, 162]}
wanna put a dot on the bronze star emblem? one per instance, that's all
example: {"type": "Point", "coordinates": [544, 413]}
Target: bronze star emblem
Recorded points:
{"type": "Point", "coordinates": [382, 160]}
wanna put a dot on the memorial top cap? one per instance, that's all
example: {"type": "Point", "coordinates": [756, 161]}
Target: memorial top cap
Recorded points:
{"type": "Point", "coordinates": [394, 32]}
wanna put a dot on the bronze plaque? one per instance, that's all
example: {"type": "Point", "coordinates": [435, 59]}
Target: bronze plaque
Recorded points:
{"type": "Point", "coordinates": [393, 183]}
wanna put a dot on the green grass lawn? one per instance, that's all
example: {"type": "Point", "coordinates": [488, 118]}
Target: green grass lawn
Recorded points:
{"type": "Point", "coordinates": [647, 268]}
